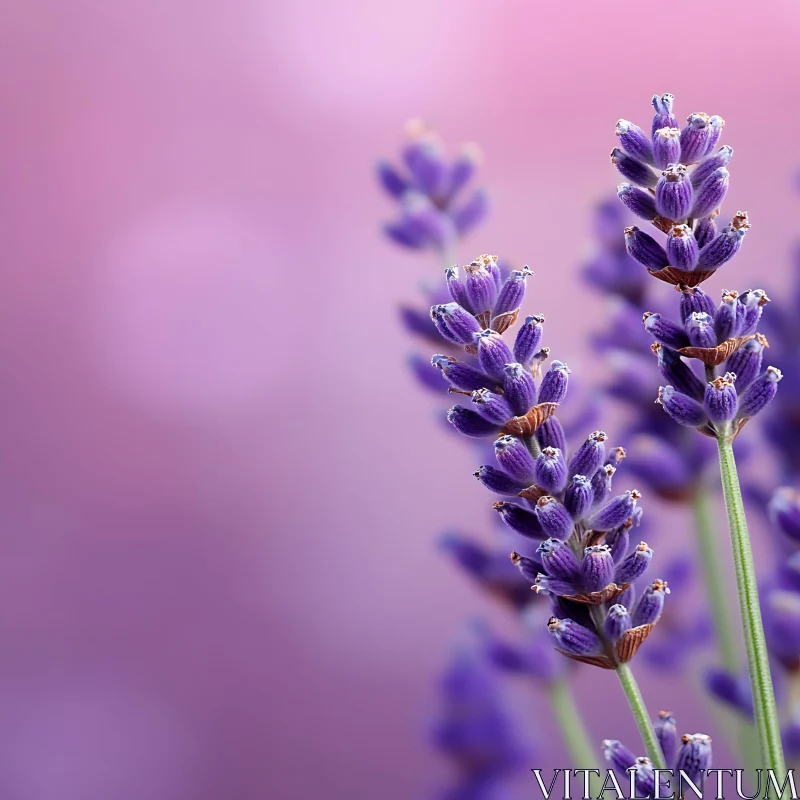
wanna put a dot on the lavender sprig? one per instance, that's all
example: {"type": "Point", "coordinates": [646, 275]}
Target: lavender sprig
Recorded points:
{"type": "Point", "coordinates": [584, 561]}
{"type": "Point", "coordinates": [429, 191]}
{"type": "Point", "coordinates": [686, 201]}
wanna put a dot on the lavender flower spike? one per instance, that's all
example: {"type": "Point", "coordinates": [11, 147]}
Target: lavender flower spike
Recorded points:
{"type": "Point", "coordinates": [429, 192]}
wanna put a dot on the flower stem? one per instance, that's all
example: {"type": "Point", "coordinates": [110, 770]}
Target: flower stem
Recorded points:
{"type": "Point", "coordinates": [766, 713]}
{"type": "Point", "coordinates": [571, 725]}
{"type": "Point", "coordinates": [715, 583]}
{"type": "Point", "coordinates": [639, 711]}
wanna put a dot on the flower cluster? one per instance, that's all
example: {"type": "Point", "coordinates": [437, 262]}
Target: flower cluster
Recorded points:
{"type": "Point", "coordinates": [717, 336]}
{"type": "Point", "coordinates": [473, 728]}
{"type": "Point", "coordinates": [584, 559]}
{"type": "Point", "coordinates": [677, 181]}
{"type": "Point", "coordinates": [429, 191]}
{"type": "Point", "coordinates": [691, 754]}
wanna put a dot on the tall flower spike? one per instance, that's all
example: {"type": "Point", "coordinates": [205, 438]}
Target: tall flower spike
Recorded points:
{"type": "Point", "coordinates": [686, 197]}
{"type": "Point", "coordinates": [430, 192]}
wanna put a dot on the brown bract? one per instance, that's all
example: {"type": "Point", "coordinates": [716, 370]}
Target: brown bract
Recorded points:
{"type": "Point", "coordinates": [714, 356]}
{"type": "Point", "coordinates": [631, 641]}
{"type": "Point", "coordinates": [596, 598]}
{"type": "Point", "coordinates": [677, 276]}
{"type": "Point", "coordinates": [528, 424]}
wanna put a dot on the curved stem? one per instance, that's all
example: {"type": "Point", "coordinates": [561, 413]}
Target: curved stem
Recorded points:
{"type": "Point", "coordinates": [639, 711]}
{"type": "Point", "coordinates": [571, 725]}
{"type": "Point", "coordinates": [715, 583]}
{"type": "Point", "coordinates": [766, 713]}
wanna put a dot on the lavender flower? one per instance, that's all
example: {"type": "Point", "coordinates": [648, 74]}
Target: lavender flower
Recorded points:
{"type": "Point", "coordinates": [683, 200]}
{"type": "Point", "coordinates": [474, 730]}
{"type": "Point", "coordinates": [429, 192]}
{"type": "Point", "coordinates": [691, 753]}
{"type": "Point", "coordinates": [724, 340]}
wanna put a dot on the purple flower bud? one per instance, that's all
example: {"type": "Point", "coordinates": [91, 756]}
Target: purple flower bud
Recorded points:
{"type": "Point", "coordinates": [512, 291]}
{"type": "Point", "coordinates": [520, 520]}
{"type": "Point", "coordinates": [551, 434]}
{"type": "Point", "coordinates": [455, 323]}
{"type": "Point", "coordinates": [553, 388]}
{"type": "Point", "coordinates": [645, 249]}
{"type": "Point", "coordinates": [634, 170]}
{"type": "Point", "coordinates": [553, 517]}
{"type": "Point", "coordinates": [462, 376]}
{"type": "Point", "coordinates": [651, 604]}
{"type": "Point", "coordinates": [664, 118]}
{"type": "Point", "coordinates": [637, 200]}
{"type": "Point", "coordinates": [695, 300]}
{"type": "Point", "coordinates": [725, 246]}
{"type": "Point", "coordinates": [700, 330]}
{"type": "Point", "coordinates": [427, 222]}
{"type": "Point", "coordinates": [711, 164]}
{"type": "Point", "coordinates": [391, 181]}
{"type": "Point", "coordinates": [493, 353]}
{"type": "Point", "coordinates": [529, 336]}
{"type": "Point", "coordinates": [620, 758]}
{"type": "Point", "coordinates": [682, 408]}
{"type": "Point", "coordinates": [492, 407]}
{"type": "Point", "coordinates": [745, 363]}
{"type": "Point", "coordinates": [705, 230]}
{"type": "Point", "coordinates": [463, 169]}
{"type": "Point", "coordinates": [529, 568]}
{"type": "Point", "coordinates": [559, 560]}
{"type": "Point", "coordinates": [730, 689]}
{"type": "Point", "coordinates": [514, 458]}
{"type": "Point", "coordinates": [716, 124]}
{"type": "Point", "coordinates": [545, 584]}
{"type": "Point", "coordinates": [682, 247]}
{"type": "Point", "coordinates": [617, 622]}
{"type": "Point", "coordinates": [665, 331]}
{"type": "Point", "coordinates": [551, 471]}
{"type": "Point", "coordinates": [694, 138]}
{"type": "Point", "coordinates": [666, 147]}
{"type": "Point", "coordinates": [711, 193]}
{"type": "Point", "coordinates": [590, 455]}
{"type": "Point", "coordinates": [753, 302]}
{"type": "Point", "coordinates": [667, 734]}
{"type": "Point", "coordinates": [729, 317]}
{"type": "Point", "coordinates": [574, 638]}
{"type": "Point", "coordinates": [619, 541]}
{"type": "Point", "coordinates": [760, 392]}
{"type": "Point", "coordinates": [597, 567]}
{"type": "Point", "coordinates": [497, 481]}
{"type": "Point", "coordinates": [674, 193]}
{"type": "Point", "coordinates": [601, 483]}
{"type": "Point", "coordinates": [634, 140]}
{"type": "Point", "coordinates": [635, 565]}
{"type": "Point", "coordinates": [645, 779]}
{"type": "Point", "coordinates": [678, 373]}
{"type": "Point", "coordinates": [471, 213]}
{"type": "Point", "coordinates": [455, 287]}
{"type": "Point", "coordinates": [579, 496]}
{"type": "Point", "coordinates": [784, 511]}
{"type": "Point", "coordinates": [615, 513]}
{"type": "Point", "coordinates": [470, 423]}
{"type": "Point", "coordinates": [694, 757]}
{"type": "Point", "coordinates": [425, 160]}
{"type": "Point", "coordinates": [480, 287]}
{"type": "Point", "coordinates": [519, 388]}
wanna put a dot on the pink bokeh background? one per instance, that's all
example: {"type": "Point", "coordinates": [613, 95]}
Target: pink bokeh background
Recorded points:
{"type": "Point", "coordinates": [220, 491]}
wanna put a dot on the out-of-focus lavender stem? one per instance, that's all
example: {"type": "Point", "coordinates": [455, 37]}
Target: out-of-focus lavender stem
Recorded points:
{"type": "Point", "coordinates": [572, 727]}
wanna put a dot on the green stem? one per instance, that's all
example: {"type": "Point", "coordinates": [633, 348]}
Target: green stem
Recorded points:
{"type": "Point", "coordinates": [639, 711]}
{"type": "Point", "coordinates": [715, 583]}
{"type": "Point", "coordinates": [572, 727]}
{"type": "Point", "coordinates": [766, 713]}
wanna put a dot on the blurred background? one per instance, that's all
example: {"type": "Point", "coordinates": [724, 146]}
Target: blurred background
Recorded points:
{"type": "Point", "coordinates": [220, 490]}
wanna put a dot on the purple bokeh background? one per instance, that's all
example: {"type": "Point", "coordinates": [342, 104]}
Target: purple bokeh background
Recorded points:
{"type": "Point", "coordinates": [220, 493]}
